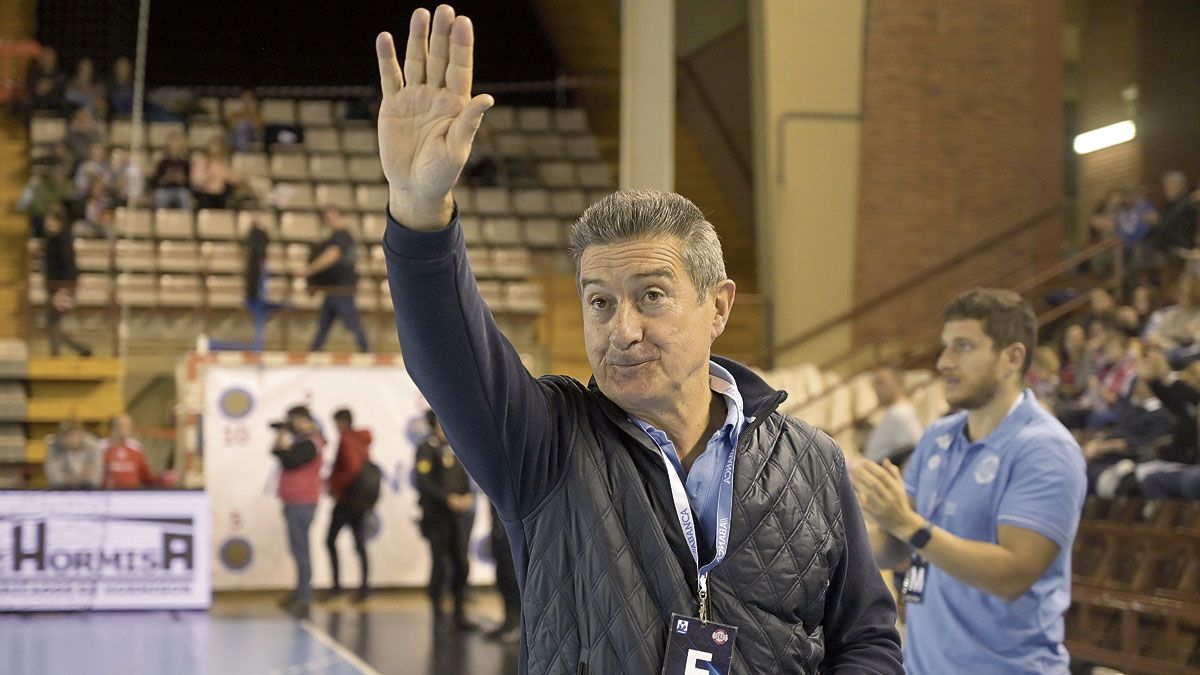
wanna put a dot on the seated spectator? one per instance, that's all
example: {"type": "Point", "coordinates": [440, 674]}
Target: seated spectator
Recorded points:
{"type": "Point", "coordinates": [171, 177]}
{"type": "Point", "coordinates": [1101, 225]}
{"type": "Point", "coordinates": [127, 179]}
{"type": "Point", "coordinates": [61, 275]}
{"type": "Point", "coordinates": [1077, 367]}
{"type": "Point", "coordinates": [1101, 304]}
{"type": "Point", "coordinates": [1175, 233]}
{"type": "Point", "coordinates": [44, 84]}
{"type": "Point", "coordinates": [1142, 428]}
{"type": "Point", "coordinates": [120, 89]}
{"type": "Point", "coordinates": [1106, 388]}
{"type": "Point", "coordinates": [246, 125]}
{"type": "Point", "coordinates": [73, 459]}
{"type": "Point", "coordinates": [212, 178]}
{"type": "Point", "coordinates": [48, 189]}
{"type": "Point", "coordinates": [1144, 301]}
{"type": "Point", "coordinates": [1175, 326]}
{"type": "Point", "coordinates": [84, 91]}
{"type": "Point", "coordinates": [97, 212]}
{"type": "Point", "coordinates": [95, 167]}
{"type": "Point", "coordinates": [898, 432]}
{"type": "Point", "coordinates": [1043, 376]}
{"type": "Point", "coordinates": [125, 464]}
{"type": "Point", "coordinates": [1134, 221]}
{"type": "Point", "coordinates": [82, 134]}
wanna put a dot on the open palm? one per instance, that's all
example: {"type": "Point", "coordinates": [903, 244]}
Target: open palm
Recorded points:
{"type": "Point", "coordinates": [428, 118]}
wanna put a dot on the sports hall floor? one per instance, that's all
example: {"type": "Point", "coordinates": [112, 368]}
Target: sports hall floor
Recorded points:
{"type": "Point", "coordinates": [390, 633]}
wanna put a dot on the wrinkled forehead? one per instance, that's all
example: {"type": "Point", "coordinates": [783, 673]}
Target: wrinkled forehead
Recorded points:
{"type": "Point", "coordinates": [647, 256]}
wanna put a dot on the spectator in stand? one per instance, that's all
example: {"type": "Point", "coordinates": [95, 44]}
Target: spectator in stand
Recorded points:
{"type": "Point", "coordinates": [899, 430]}
{"type": "Point", "coordinates": [73, 459]}
{"type": "Point", "coordinates": [246, 125]}
{"type": "Point", "coordinates": [120, 89]}
{"type": "Point", "coordinates": [1107, 386]}
{"type": "Point", "coordinates": [1174, 327]}
{"type": "Point", "coordinates": [61, 275]}
{"type": "Point", "coordinates": [1077, 367]}
{"type": "Point", "coordinates": [353, 454]}
{"type": "Point", "coordinates": [48, 190]}
{"type": "Point", "coordinates": [1101, 225]}
{"type": "Point", "coordinates": [95, 166]}
{"type": "Point", "coordinates": [82, 134]}
{"type": "Point", "coordinates": [1175, 233]}
{"type": "Point", "coordinates": [97, 212]}
{"type": "Point", "coordinates": [1101, 304]}
{"type": "Point", "coordinates": [128, 179]}
{"type": "Point", "coordinates": [84, 91]}
{"type": "Point", "coordinates": [171, 177]}
{"type": "Point", "coordinates": [212, 178]}
{"type": "Point", "coordinates": [1134, 222]}
{"type": "Point", "coordinates": [332, 268]}
{"type": "Point", "coordinates": [298, 446]}
{"type": "Point", "coordinates": [1044, 378]}
{"type": "Point", "coordinates": [1144, 302]}
{"type": "Point", "coordinates": [44, 84]}
{"type": "Point", "coordinates": [125, 466]}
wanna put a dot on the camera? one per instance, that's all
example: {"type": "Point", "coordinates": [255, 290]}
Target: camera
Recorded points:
{"type": "Point", "coordinates": [281, 425]}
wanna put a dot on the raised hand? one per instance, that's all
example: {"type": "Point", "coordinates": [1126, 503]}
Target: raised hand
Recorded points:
{"type": "Point", "coordinates": [428, 119]}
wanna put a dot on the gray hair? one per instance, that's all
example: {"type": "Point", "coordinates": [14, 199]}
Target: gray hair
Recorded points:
{"type": "Point", "coordinates": [647, 214]}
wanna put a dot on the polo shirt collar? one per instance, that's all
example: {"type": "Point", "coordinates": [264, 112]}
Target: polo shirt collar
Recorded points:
{"type": "Point", "coordinates": [1020, 415]}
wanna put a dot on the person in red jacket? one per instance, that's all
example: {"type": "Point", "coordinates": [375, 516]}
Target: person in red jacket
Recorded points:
{"type": "Point", "coordinates": [298, 446]}
{"type": "Point", "coordinates": [125, 466]}
{"type": "Point", "coordinates": [352, 455]}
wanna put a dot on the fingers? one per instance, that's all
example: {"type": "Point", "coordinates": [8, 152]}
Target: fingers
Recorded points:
{"type": "Point", "coordinates": [461, 66]}
{"type": "Point", "coordinates": [416, 52]}
{"type": "Point", "coordinates": [463, 129]}
{"type": "Point", "coordinates": [390, 77]}
{"type": "Point", "coordinates": [439, 47]}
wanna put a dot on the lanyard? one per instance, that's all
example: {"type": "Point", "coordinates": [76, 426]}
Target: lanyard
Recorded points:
{"type": "Point", "coordinates": [683, 511]}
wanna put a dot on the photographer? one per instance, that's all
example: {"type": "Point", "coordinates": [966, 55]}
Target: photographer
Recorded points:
{"type": "Point", "coordinates": [298, 445]}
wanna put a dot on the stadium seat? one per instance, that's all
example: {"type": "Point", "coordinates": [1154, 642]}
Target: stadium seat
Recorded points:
{"type": "Point", "coordinates": [277, 257]}
{"type": "Point", "coordinates": [530, 202]}
{"type": "Point", "coordinates": [134, 255]}
{"type": "Point", "coordinates": [385, 296]}
{"type": "Point", "coordinates": [36, 289]}
{"type": "Point", "coordinates": [322, 139]}
{"type": "Point", "coordinates": [265, 219]}
{"type": "Point", "coordinates": [371, 198]}
{"type": "Point", "coordinates": [211, 106]}
{"type": "Point", "coordinates": [595, 175]}
{"type": "Point", "coordinates": [582, 147]}
{"type": "Point", "coordinates": [534, 119]}
{"type": "Point", "coordinates": [136, 223]}
{"type": "Point", "coordinates": [505, 231]}
{"type": "Point", "coordinates": [289, 166]}
{"type": "Point", "coordinates": [543, 232]}
{"type": "Point", "coordinates": [297, 256]}
{"type": "Point", "coordinates": [464, 198]}
{"type": "Point", "coordinates": [360, 141]}
{"type": "Point", "coordinates": [524, 297]}
{"type": "Point", "coordinates": [327, 168]}
{"type": "Point", "coordinates": [571, 121]}
{"type": "Point", "coordinates": [367, 295]}
{"type": "Point", "coordinates": [335, 194]}
{"type": "Point", "coordinates": [216, 224]}
{"type": "Point", "coordinates": [569, 203]}
{"type": "Point", "coordinates": [93, 290]}
{"type": "Point", "coordinates": [492, 293]}
{"type": "Point", "coordinates": [200, 134]}
{"type": "Point", "coordinates": [300, 226]}
{"type": "Point", "coordinates": [293, 196]}
{"type": "Point", "coordinates": [365, 169]}
{"type": "Point", "coordinates": [158, 133]}
{"type": "Point", "coordinates": [301, 298]}
{"type": "Point", "coordinates": [557, 174]}
{"type": "Point", "coordinates": [173, 224]}
{"type": "Point", "coordinates": [378, 262]}
{"type": "Point", "coordinates": [512, 262]}
{"type": "Point", "coordinates": [315, 112]}
{"type": "Point", "coordinates": [180, 290]}
{"type": "Point", "coordinates": [278, 111]}
{"type": "Point", "coordinates": [480, 259]}
{"type": "Point", "coordinates": [120, 133]}
{"type": "Point", "coordinates": [472, 227]}
{"type": "Point", "coordinates": [373, 227]}
{"type": "Point", "coordinates": [548, 146]}
{"type": "Point", "coordinates": [46, 130]}
{"type": "Point", "coordinates": [93, 255]}
{"type": "Point", "coordinates": [221, 257]}
{"type": "Point", "coordinates": [139, 290]}
{"type": "Point", "coordinates": [593, 196]}
{"type": "Point", "coordinates": [512, 145]}
{"type": "Point", "coordinates": [179, 256]}
{"type": "Point", "coordinates": [224, 292]}
{"type": "Point", "coordinates": [251, 164]}
{"type": "Point", "coordinates": [492, 201]}
{"type": "Point", "coordinates": [501, 118]}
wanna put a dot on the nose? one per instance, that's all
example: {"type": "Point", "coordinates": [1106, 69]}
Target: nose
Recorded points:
{"type": "Point", "coordinates": [944, 361]}
{"type": "Point", "coordinates": [627, 327]}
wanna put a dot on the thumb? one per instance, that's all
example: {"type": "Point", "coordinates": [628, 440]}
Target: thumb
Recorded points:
{"type": "Point", "coordinates": [463, 128]}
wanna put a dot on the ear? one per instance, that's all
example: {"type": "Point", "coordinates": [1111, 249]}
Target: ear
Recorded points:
{"type": "Point", "coordinates": [1014, 357]}
{"type": "Point", "coordinates": [722, 295]}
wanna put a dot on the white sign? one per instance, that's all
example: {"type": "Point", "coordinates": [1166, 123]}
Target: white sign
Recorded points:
{"type": "Point", "coordinates": [104, 550]}
{"type": "Point", "coordinates": [249, 535]}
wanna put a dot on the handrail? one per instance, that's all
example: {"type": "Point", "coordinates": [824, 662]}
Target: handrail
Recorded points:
{"type": "Point", "coordinates": [916, 279]}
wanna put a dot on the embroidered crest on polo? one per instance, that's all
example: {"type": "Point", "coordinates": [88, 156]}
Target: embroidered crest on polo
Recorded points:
{"type": "Point", "coordinates": [934, 462]}
{"type": "Point", "coordinates": [943, 441]}
{"type": "Point", "coordinates": [987, 469]}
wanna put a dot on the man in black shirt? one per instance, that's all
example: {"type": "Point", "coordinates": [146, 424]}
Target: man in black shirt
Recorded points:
{"type": "Point", "coordinates": [332, 270]}
{"type": "Point", "coordinates": [61, 274]}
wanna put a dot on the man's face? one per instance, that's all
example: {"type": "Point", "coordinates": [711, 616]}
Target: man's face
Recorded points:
{"type": "Point", "coordinates": [122, 427]}
{"type": "Point", "coordinates": [970, 366]}
{"type": "Point", "coordinates": [332, 218]}
{"type": "Point", "coordinates": [74, 439]}
{"type": "Point", "coordinates": [646, 330]}
{"type": "Point", "coordinates": [885, 384]}
{"type": "Point", "coordinates": [1174, 187]}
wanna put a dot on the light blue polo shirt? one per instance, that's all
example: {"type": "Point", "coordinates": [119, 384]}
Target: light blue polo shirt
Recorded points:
{"type": "Point", "coordinates": [1029, 473]}
{"type": "Point", "coordinates": [701, 483]}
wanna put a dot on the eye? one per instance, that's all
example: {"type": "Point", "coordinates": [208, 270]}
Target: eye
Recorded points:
{"type": "Point", "coordinates": [598, 303]}
{"type": "Point", "coordinates": [654, 296]}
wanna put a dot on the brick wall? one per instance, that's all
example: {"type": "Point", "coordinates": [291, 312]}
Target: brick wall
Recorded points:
{"type": "Point", "coordinates": [961, 138]}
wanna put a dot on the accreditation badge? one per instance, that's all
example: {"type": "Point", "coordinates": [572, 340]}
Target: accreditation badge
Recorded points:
{"type": "Point", "coordinates": [912, 589]}
{"type": "Point", "coordinates": [698, 648]}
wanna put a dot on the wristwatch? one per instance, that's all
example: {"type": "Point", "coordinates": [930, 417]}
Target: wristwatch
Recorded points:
{"type": "Point", "coordinates": [921, 537]}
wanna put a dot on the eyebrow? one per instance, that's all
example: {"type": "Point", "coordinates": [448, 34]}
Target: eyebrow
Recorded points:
{"type": "Point", "coordinates": [661, 272]}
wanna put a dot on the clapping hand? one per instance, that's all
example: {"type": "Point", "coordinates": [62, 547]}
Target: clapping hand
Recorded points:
{"type": "Point", "coordinates": [428, 118]}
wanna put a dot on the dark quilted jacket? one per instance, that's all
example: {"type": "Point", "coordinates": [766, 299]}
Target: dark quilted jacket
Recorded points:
{"type": "Point", "coordinates": [586, 503]}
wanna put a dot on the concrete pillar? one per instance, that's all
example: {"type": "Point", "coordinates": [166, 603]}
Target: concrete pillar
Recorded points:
{"type": "Point", "coordinates": [648, 94]}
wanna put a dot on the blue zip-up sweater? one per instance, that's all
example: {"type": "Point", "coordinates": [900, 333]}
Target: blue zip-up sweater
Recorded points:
{"type": "Point", "coordinates": [586, 502]}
